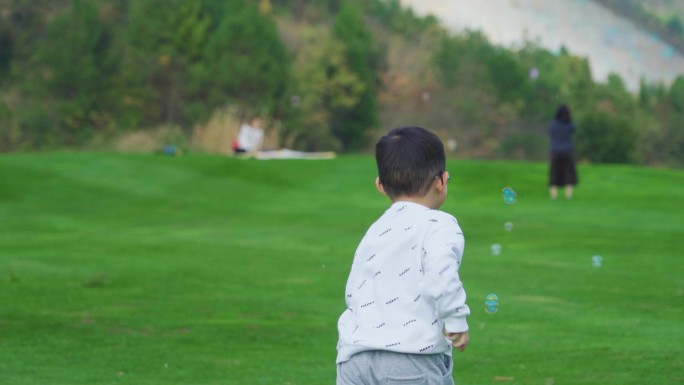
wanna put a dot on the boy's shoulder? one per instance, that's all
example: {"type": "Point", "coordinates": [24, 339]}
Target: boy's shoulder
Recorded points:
{"type": "Point", "coordinates": [441, 219]}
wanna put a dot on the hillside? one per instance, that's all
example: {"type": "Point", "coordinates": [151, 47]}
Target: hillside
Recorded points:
{"type": "Point", "coordinates": [662, 17]}
{"type": "Point", "coordinates": [323, 75]}
{"type": "Point", "coordinates": [611, 42]}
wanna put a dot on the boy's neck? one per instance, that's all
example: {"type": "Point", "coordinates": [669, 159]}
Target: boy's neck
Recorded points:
{"type": "Point", "coordinates": [427, 200]}
{"type": "Point", "coordinates": [434, 198]}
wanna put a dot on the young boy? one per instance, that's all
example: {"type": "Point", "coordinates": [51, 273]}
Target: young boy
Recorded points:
{"type": "Point", "coordinates": [405, 302]}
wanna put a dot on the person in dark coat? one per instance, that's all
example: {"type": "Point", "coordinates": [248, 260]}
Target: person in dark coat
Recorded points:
{"type": "Point", "coordinates": [562, 170]}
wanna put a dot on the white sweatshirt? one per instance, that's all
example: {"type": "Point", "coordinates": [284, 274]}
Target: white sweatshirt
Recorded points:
{"type": "Point", "coordinates": [250, 138]}
{"type": "Point", "coordinates": [403, 289]}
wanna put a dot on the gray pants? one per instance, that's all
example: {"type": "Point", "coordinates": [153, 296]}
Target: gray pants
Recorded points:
{"type": "Point", "coordinates": [376, 367]}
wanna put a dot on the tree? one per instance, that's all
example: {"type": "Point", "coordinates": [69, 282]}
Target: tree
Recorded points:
{"type": "Point", "coordinates": [508, 77]}
{"type": "Point", "coordinates": [304, 8]}
{"type": "Point", "coordinates": [447, 59]}
{"type": "Point", "coordinates": [645, 97]}
{"type": "Point", "coordinates": [165, 38]}
{"type": "Point", "coordinates": [6, 48]}
{"type": "Point", "coordinates": [76, 65]}
{"type": "Point", "coordinates": [675, 25]}
{"type": "Point", "coordinates": [351, 124]}
{"type": "Point", "coordinates": [616, 84]}
{"type": "Point", "coordinates": [677, 94]}
{"type": "Point", "coordinates": [324, 84]}
{"type": "Point", "coordinates": [244, 62]}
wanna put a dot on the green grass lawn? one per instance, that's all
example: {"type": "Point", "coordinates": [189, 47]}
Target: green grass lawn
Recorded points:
{"type": "Point", "coordinates": [129, 269]}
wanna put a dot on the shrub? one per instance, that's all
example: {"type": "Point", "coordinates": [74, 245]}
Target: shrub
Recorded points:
{"type": "Point", "coordinates": [605, 138]}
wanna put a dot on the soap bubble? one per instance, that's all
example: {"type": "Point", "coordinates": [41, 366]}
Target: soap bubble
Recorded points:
{"type": "Point", "coordinates": [508, 226]}
{"type": "Point", "coordinates": [597, 261]}
{"type": "Point", "coordinates": [534, 73]}
{"type": "Point", "coordinates": [496, 249]}
{"type": "Point", "coordinates": [492, 297]}
{"type": "Point", "coordinates": [491, 303]}
{"type": "Point", "coordinates": [509, 196]}
{"type": "Point", "coordinates": [491, 309]}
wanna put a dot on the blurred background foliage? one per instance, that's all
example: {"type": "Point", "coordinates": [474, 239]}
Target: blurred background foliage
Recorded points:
{"type": "Point", "coordinates": [326, 75]}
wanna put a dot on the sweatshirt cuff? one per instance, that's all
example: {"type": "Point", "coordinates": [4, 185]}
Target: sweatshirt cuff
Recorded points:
{"type": "Point", "coordinates": [456, 325]}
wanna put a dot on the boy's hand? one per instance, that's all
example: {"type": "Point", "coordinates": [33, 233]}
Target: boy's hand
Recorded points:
{"type": "Point", "coordinates": [458, 340]}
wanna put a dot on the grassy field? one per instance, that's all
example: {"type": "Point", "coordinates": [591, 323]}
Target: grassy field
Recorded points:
{"type": "Point", "coordinates": [130, 269]}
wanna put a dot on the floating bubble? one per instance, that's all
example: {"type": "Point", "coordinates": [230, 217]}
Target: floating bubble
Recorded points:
{"type": "Point", "coordinates": [508, 226]}
{"type": "Point", "coordinates": [534, 73]}
{"type": "Point", "coordinates": [496, 249]}
{"type": "Point", "coordinates": [509, 196]}
{"type": "Point", "coordinates": [491, 303]}
{"type": "Point", "coordinates": [491, 309]}
{"type": "Point", "coordinates": [597, 261]}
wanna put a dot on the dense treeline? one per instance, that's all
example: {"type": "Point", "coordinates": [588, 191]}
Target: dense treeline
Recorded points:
{"type": "Point", "coordinates": [328, 74]}
{"type": "Point", "coordinates": [93, 67]}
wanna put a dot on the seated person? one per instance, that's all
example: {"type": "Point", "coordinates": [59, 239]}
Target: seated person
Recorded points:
{"type": "Point", "coordinates": [250, 137]}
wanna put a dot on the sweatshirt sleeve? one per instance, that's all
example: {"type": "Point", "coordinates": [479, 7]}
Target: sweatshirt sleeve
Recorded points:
{"type": "Point", "coordinates": [442, 286]}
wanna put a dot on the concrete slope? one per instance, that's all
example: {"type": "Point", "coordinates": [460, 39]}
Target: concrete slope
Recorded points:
{"type": "Point", "coordinates": [612, 43]}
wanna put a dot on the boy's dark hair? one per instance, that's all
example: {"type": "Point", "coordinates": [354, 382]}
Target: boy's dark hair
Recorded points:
{"type": "Point", "coordinates": [409, 159]}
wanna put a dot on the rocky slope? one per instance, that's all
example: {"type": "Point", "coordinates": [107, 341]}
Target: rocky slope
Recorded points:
{"type": "Point", "coordinates": [612, 43]}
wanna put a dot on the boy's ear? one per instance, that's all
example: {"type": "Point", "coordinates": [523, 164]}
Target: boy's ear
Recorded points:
{"type": "Point", "coordinates": [378, 186]}
{"type": "Point", "coordinates": [441, 182]}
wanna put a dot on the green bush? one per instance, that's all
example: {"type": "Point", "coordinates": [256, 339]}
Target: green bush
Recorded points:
{"type": "Point", "coordinates": [605, 138]}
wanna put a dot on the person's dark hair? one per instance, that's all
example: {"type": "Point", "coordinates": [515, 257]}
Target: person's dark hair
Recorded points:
{"type": "Point", "coordinates": [409, 159]}
{"type": "Point", "coordinates": [563, 114]}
